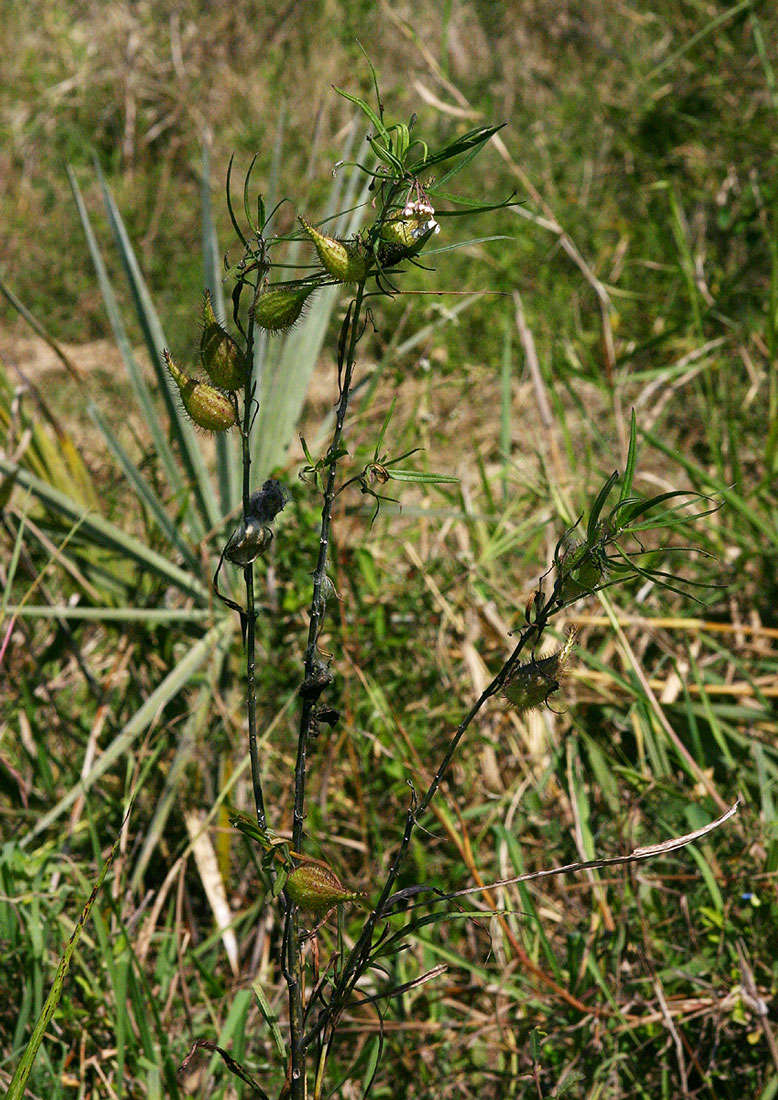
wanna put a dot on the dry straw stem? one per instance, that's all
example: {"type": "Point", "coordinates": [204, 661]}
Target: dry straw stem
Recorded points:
{"type": "Point", "coordinates": [636, 856]}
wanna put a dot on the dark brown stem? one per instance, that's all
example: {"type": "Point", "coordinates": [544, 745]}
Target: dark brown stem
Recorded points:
{"type": "Point", "coordinates": [310, 690]}
{"type": "Point", "coordinates": [248, 577]}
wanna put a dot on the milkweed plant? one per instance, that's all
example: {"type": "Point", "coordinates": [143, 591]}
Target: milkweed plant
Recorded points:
{"type": "Point", "coordinates": [408, 200]}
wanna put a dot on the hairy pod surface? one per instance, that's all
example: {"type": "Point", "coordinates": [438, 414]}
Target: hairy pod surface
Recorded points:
{"type": "Point", "coordinates": [278, 308]}
{"type": "Point", "coordinates": [405, 232]}
{"type": "Point", "coordinates": [316, 888]}
{"type": "Point", "coordinates": [531, 685]}
{"type": "Point", "coordinates": [222, 359]}
{"type": "Point", "coordinates": [208, 407]}
{"type": "Point", "coordinates": [346, 263]}
{"type": "Point", "coordinates": [582, 569]}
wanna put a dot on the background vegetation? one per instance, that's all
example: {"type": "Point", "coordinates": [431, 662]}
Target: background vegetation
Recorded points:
{"type": "Point", "coordinates": [642, 140]}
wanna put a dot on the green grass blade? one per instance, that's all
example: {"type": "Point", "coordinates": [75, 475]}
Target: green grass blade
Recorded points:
{"type": "Point", "coordinates": [173, 683]}
{"type": "Point", "coordinates": [144, 491]}
{"type": "Point", "coordinates": [105, 533]}
{"type": "Point", "coordinates": [16, 1090]}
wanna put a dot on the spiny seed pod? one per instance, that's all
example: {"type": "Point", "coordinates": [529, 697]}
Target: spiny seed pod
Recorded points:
{"type": "Point", "coordinates": [223, 361]}
{"type": "Point", "coordinates": [405, 232]}
{"type": "Point", "coordinates": [279, 307]}
{"type": "Point", "coordinates": [208, 407]}
{"type": "Point", "coordinates": [582, 568]}
{"type": "Point", "coordinates": [531, 685]}
{"type": "Point", "coordinates": [316, 888]}
{"type": "Point", "coordinates": [347, 263]}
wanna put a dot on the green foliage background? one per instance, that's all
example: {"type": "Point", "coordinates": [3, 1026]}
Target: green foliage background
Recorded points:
{"type": "Point", "coordinates": [643, 133]}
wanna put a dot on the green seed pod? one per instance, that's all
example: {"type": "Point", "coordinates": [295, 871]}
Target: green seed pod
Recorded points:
{"type": "Point", "coordinates": [223, 361]}
{"type": "Point", "coordinates": [532, 684]}
{"type": "Point", "coordinates": [278, 308]}
{"type": "Point", "coordinates": [316, 888]}
{"type": "Point", "coordinates": [405, 232]}
{"type": "Point", "coordinates": [582, 570]}
{"type": "Point", "coordinates": [208, 407]}
{"type": "Point", "coordinates": [347, 263]}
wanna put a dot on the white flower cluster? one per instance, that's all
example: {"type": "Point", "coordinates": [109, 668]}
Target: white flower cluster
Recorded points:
{"type": "Point", "coordinates": [418, 209]}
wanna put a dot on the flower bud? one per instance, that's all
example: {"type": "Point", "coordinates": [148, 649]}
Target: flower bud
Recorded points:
{"type": "Point", "coordinates": [530, 685]}
{"type": "Point", "coordinates": [208, 407]}
{"type": "Point", "coordinates": [316, 888]}
{"type": "Point", "coordinates": [223, 361]}
{"type": "Point", "coordinates": [279, 307]}
{"type": "Point", "coordinates": [346, 263]}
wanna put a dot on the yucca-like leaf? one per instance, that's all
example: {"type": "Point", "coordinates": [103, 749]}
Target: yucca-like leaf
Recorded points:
{"type": "Point", "coordinates": [186, 437]}
{"type": "Point", "coordinates": [227, 443]}
{"type": "Point", "coordinates": [104, 533]}
{"type": "Point", "coordinates": [288, 363]}
{"type": "Point", "coordinates": [175, 681]}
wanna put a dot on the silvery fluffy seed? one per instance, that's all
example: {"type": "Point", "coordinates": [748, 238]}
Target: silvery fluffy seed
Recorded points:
{"type": "Point", "coordinates": [267, 502]}
{"type": "Point", "coordinates": [249, 539]}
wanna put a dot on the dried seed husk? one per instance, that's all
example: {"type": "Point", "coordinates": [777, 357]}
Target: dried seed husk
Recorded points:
{"type": "Point", "coordinates": [248, 541]}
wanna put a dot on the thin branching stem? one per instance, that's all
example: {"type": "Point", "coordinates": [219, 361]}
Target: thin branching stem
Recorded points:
{"type": "Point", "coordinates": [359, 955]}
{"type": "Point", "coordinates": [250, 614]}
{"type": "Point", "coordinates": [294, 961]}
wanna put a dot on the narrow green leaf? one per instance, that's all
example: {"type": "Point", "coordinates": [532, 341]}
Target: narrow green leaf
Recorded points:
{"type": "Point", "coordinates": [143, 490]}
{"type": "Point", "coordinates": [476, 137]}
{"type": "Point", "coordinates": [421, 477]}
{"type": "Point", "coordinates": [597, 507]}
{"type": "Point", "coordinates": [270, 1018]}
{"type": "Point", "coordinates": [18, 1083]}
{"type": "Point", "coordinates": [173, 683]}
{"type": "Point", "coordinates": [368, 111]}
{"type": "Point", "coordinates": [105, 533]}
{"type": "Point", "coordinates": [629, 470]}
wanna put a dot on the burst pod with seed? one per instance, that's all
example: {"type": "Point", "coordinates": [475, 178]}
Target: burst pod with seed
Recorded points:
{"type": "Point", "coordinates": [247, 542]}
{"type": "Point", "coordinates": [316, 888]}
{"type": "Point", "coordinates": [279, 307]}
{"type": "Point", "coordinates": [532, 684]}
{"type": "Point", "coordinates": [403, 235]}
{"type": "Point", "coordinates": [223, 361]}
{"type": "Point", "coordinates": [208, 407]}
{"type": "Point", "coordinates": [346, 263]}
